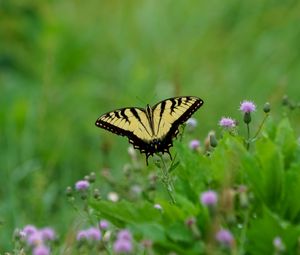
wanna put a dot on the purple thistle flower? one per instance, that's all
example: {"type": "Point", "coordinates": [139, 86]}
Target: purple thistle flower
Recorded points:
{"type": "Point", "coordinates": [93, 234]}
{"type": "Point", "coordinates": [247, 106]}
{"type": "Point", "coordinates": [48, 234]}
{"type": "Point", "coordinates": [124, 235]}
{"type": "Point", "coordinates": [82, 185]}
{"type": "Point", "coordinates": [227, 122]}
{"type": "Point", "coordinates": [82, 235]}
{"type": "Point", "coordinates": [103, 224]}
{"type": "Point", "coordinates": [209, 198]}
{"type": "Point", "coordinates": [122, 246]}
{"type": "Point", "coordinates": [35, 239]}
{"type": "Point", "coordinates": [194, 144]}
{"type": "Point", "coordinates": [29, 230]}
{"type": "Point", "coordinates": [41, 250]}
{"type": "Point", "coordinates": [224, 237]}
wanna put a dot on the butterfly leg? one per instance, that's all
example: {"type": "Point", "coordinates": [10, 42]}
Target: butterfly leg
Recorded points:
{"type": "Point", "coordinates": [147, 156]}
{"type": "Point", "coordinates": [167, 151]}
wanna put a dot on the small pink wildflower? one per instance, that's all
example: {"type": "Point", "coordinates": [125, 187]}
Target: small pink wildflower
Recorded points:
{"type": "Point", "coordinates": [247, 106]}
{"type": "Point", "coordinates": [82, 235]}
{"type": "Point", "coordinates": [124, 234]}
{"type": "Point", "coordinates": [93, 234]}
{"type": "Point", "coordinates": [227, 122]}
{"type": "Point", "coordinates": [224, 237]}
{"type": "Point", "coordinates": [209, 198]}
{"type": "Point", "coordinates": [122, 246]}
{"type": "Point", "coordinates": [47, 234]}
{"type": "Point", "coordinates": [103, 224]}
{"type": "Point", "coordinates": [41, 250]}
{"type": "Point", "coordinates": [82, 185]}
{"type": "Point", "coordinates": [35, 239]}
{"type": "Point", "coordinates": [29, 230]}
{"type": "Point", "coordinates": [194, 144]}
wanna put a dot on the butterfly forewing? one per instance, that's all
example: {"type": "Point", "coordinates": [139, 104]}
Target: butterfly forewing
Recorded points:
{"type": "Point", "coordinates": [126, 122]}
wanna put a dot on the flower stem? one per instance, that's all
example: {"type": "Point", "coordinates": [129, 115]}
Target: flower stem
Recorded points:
{"type": "Point", "coordinates": [167, 180]}
{"type": "Point", "coordinates": [248, 137]}
{"type": "Point", "coordinates": [260, 127]}
{"type": "Point", "coordinates": [243, 233]}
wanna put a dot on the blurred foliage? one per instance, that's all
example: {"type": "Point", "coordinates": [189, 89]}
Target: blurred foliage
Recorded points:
{"type": "Point", "coordinates": [63, 63]}
{"type": "Point", "coordinates": [271, 188]}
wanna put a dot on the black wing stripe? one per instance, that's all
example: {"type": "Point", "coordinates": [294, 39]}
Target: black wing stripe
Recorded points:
{"type": "Point", "coordinates": [136, 115]}
{"type": "Point", "coordinates": [124, 115]}
{"type": "Point", "coordinates": [179, 101]}
{"type": "Point", "coordinates": [117, 114]}
{"type": "Point", "coordinates": [162, 109]}
{"type": "Point", "coordinates": [173, 105]}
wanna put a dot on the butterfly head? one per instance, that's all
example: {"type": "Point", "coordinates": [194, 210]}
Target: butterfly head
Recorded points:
{"type": "Point", "coordinates": [156, 143]}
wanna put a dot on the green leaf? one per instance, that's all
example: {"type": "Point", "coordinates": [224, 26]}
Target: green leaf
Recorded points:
{"type": "Point", "coordinates": [178, 232]}
{"type": "Point", "coordinates": [194, 168]}
{"type": "Point", "coordinates": [270, 166]}
{"type": "Point", "coordinates": [265, 228]}
{"type": "Point", "coordinates": [226, 160]}
{"type": "Point", "coordinates": [173, 166]}
{"type": "Point", "coordinates": [125, 212]}
{"type": "Point", "coordinates": [286, 140]}
{"type": "Point", "coordinates": [290, 206]}
{"type": "Point", "coordinates": [150, 231]}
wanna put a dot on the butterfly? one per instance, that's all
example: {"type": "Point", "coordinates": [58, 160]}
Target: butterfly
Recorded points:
{"type": "Point", "coordinates": [151, 130]}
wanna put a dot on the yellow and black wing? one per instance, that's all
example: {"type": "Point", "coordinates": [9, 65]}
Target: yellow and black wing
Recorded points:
{"type": "Point", "coordinates": [131, 122]}
{"type": "Point", "coordinates": [169, 114]}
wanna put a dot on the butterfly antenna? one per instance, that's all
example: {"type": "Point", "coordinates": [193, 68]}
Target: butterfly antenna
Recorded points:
{"type": "Point", "coordinates": [147, 156]}
{"type": "Point", "coordinates": [140, 100]}
{"type": "Point", "coordinates": [169, 155]}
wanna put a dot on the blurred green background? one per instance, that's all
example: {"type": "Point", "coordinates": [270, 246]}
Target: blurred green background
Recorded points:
{"type": "Point", "coordinates": [64, 63]}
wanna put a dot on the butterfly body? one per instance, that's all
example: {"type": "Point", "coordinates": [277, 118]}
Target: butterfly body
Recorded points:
{"type": "Point", "coordinates": [151, 130]}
